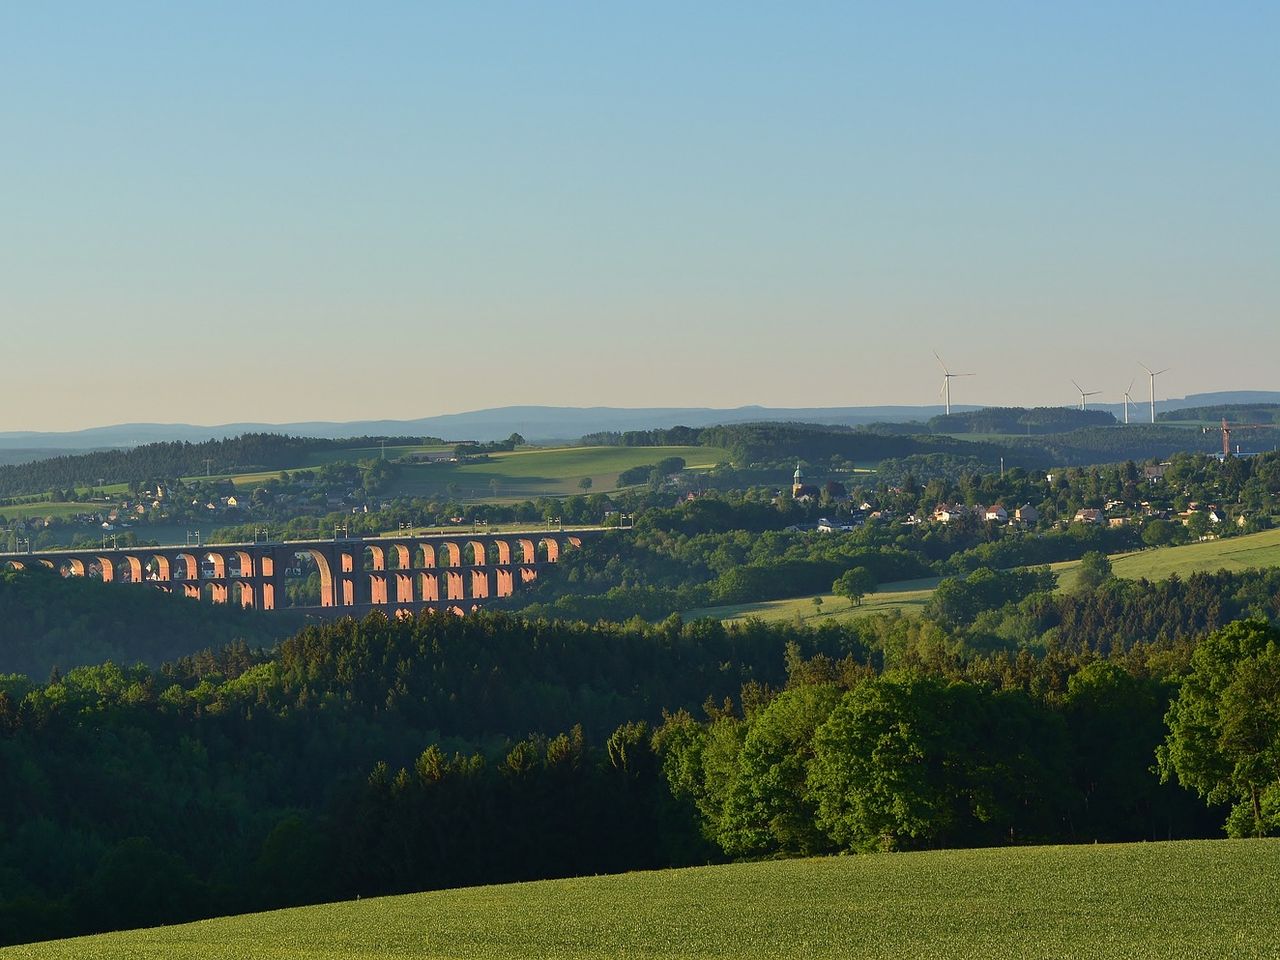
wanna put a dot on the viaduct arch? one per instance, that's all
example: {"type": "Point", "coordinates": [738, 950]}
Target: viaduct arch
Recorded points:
{"type": "Point", "coordinates": [399, 575]}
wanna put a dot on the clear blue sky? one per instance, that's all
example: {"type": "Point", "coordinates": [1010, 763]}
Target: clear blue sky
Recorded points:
{"type": "Point", "coordinates": [281, 211]}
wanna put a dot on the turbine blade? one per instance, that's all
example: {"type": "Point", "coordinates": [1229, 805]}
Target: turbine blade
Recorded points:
{"type": "Point", "coordinates": [1077, 386]}
{"type": "Point", "coordinates": [940, 363]}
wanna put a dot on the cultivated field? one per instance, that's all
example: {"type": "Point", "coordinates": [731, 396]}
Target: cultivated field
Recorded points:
{"type": "Point", "coordinates": [1214, 898]}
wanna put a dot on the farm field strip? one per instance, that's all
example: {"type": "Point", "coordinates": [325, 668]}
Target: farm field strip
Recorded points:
{"type": "Point", "coordinates": [1140, 901]}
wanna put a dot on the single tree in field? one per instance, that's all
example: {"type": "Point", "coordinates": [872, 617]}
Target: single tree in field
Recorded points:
{"type": "Point", "coordinates": [584, 483]}
{"type": "Point", "coordinates": [1224, 727]}
{"type": "Point", "coordinates": [854, 584]}
{"type": "Point", "coordinates": [1095, 570]}
{"type": "Point", "coordinates": [817, 604]}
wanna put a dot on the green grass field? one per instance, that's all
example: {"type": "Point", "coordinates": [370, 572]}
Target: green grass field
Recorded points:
{"type": "Point", "coordinates": [44, 509]}
{"type": "Point", "coordinates": [1212, 898]}
{"type": "Point", "coordinates": [543, 472]}
{"type": "Point", "coordinates": [1235, 553]}
{"type": "Point", "coordinates": [908, 596]}
{"type": "Point", "coordinates": [521, 474]}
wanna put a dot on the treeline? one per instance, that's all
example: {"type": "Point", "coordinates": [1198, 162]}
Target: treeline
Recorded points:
{"type": "Point", "coordinates": [152, 461]}
{"type": "Point", "coordinates": [750, 443]}
{"type": "Point", "coordinates": [1233, 413]}
{"type": "Point", "coordinates": [1137, 442]}
{"type": "Point", "coordinates": [1037, 439]}
{"type": "Point", "coordinates": [756, 443]}
{"type": "Point", "coordinates": [375, 757]}
{"type": "Point", "coordinates": [1020, 420]}
{"type": "Point", "coordinates": [48, 623]}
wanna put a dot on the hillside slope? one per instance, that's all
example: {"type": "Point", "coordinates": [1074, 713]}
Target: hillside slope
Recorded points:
{"type": "Point", "coordinates": [1249, 551]}
{"type": "Point", "coordinates": [1189, 899]}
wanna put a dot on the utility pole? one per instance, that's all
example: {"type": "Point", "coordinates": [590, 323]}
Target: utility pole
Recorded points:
{"type": "Point", "coordinates": [208, 463]}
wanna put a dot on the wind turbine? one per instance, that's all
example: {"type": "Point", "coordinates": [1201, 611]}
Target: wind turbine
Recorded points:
{"type": "Point", "coordinates": [1152, 374]}
{"type": "Point", "coordinates": [947, 376]}
{"type": "Point", "coordinates": [1128, 399]}
{"type": "Point", "coordinates": [1083, 393]}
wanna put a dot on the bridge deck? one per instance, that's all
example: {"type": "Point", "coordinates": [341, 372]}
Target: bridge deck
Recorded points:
{"type": "Point", "coordinates": [430, 535]}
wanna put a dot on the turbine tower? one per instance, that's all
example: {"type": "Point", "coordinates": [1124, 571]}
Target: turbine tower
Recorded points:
{"type": "Point", "coordinates": [1152, 374]}
{"type": "Point", "coordinates": [947, 376]}
{"type": "Point", "coordinates": [1128, 399]}
{"type": "Point", "coordinates": [1084, 393]}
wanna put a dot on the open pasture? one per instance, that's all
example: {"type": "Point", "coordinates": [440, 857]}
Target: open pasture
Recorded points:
{"type": "Point", "coordinates": [1232, 553]}
{"type": "Point", "coordinates": [908, 596]}
{"type": "Point", "coordinates": [24, 511]}
{"type": "Point", "coordinates": [542, 472]}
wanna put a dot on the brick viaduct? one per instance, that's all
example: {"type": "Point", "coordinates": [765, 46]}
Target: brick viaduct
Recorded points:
{"type": "Point", "coordinates": [455, 572]}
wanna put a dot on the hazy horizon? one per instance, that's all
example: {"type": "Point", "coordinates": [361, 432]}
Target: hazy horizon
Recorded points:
{"type": "Point", "coordinates": [296, 212]}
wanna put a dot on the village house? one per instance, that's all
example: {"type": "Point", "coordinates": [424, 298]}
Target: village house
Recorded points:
{"type": "Point", "coordinates": [948, 513]}
{"type": "Point", "coordinates": [1089, 515]}
{"type": "Point", "coordinates": [997, 514]}
{"type": "Point", "coordinates": [833, 526]}
{"type": "Point", "coordinates": [1026, 514]}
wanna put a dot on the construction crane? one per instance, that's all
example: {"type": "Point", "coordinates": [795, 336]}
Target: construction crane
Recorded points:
{"type": "Point", "coordinates": [1229, 428]}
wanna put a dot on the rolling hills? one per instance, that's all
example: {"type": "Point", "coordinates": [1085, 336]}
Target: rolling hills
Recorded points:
{"type": "Point", "coordinates": [1134, 901]}
{"type": "Point", "coordinates": [535, 422]}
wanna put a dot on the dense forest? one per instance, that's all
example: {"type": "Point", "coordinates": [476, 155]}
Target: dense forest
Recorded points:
{"type": "Point", "coordinates": [1232, 412]}
{"type": "Point", "coordinates": [48, 622]}
{"type": "Point", "coordinates": [1020, 420]}
{"type": "Point", "coordinates": [375, 757]}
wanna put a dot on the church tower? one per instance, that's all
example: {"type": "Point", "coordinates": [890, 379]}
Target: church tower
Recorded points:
{"type": "Point", "coordinates": [797, 482]}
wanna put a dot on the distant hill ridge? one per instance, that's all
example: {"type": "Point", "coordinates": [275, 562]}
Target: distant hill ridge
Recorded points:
{"type": "Point", "coordinates": [539, 423]}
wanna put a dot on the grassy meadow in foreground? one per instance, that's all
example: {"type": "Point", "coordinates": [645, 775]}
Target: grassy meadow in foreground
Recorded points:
{"type": "Point", "coordinates": [1213, 898]}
